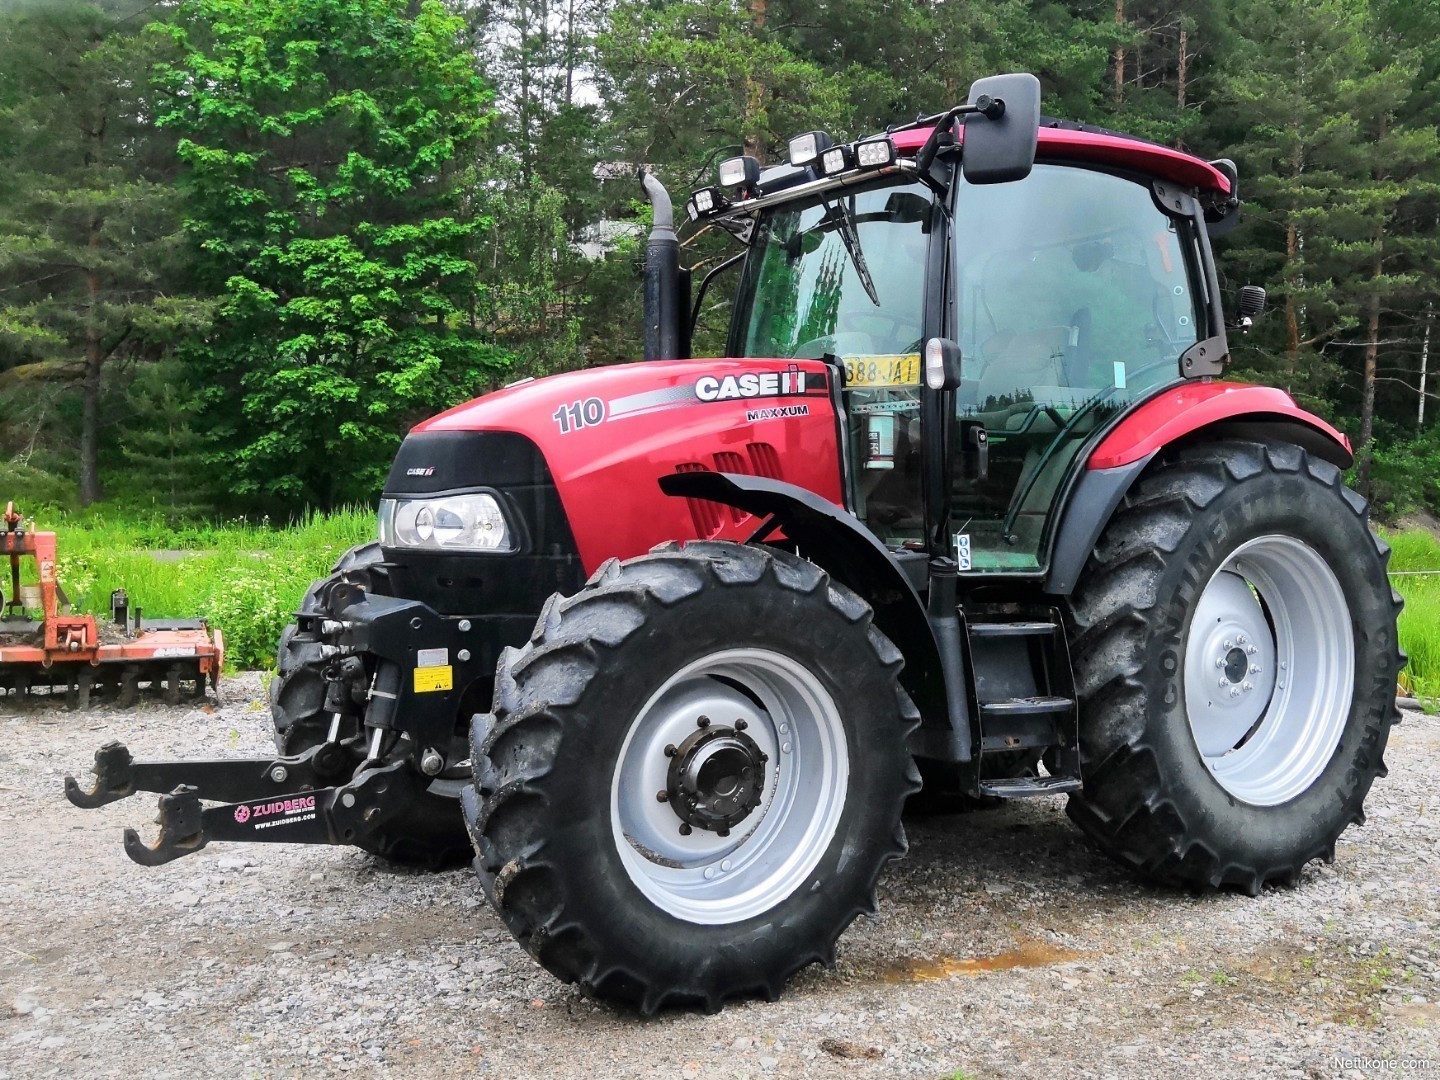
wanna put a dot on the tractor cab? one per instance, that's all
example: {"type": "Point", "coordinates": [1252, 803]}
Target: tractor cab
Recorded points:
{"type": "Point", "coordinates": [1070, 273]}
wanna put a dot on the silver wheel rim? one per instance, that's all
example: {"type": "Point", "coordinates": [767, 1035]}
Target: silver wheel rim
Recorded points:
{"type": "Point", "coordinates": [703, 877]}
{"type": "Point", "coordinates": [1269, 670]}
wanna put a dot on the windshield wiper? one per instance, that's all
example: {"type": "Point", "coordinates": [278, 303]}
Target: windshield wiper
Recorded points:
{"type": "Point", "coordinates": [844, 218]}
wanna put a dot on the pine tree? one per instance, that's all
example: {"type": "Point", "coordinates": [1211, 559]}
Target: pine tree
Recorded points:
{"type": "Point", "coordinates": [89, 225]}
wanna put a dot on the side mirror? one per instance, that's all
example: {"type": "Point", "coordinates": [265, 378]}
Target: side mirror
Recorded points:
{"type": "Point", "coordinates": [942, 364]}
{"type": "Point", "coordinates": [999, 149]}
{"type": "Point", "coordinates": [1250, 302]}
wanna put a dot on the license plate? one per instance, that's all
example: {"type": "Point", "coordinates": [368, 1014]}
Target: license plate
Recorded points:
{"type": "Point", "coordinates": [878, 371]}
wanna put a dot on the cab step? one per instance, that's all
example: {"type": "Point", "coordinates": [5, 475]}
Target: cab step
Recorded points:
{"type": "Point", "coordinates": [1011, 629]}
{"type": "Point", "coordinates": [1039, 704]}
{"type": "Point", "coordinates": [1024, 700]}
{"type": "Point", "coordinates": [1027, 787]}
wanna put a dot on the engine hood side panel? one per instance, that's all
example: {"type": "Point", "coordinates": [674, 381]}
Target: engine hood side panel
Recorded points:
{"type": "Point", "coordinates": [609, 434]}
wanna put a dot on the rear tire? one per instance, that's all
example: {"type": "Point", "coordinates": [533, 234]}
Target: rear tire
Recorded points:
{"type": "Point", "coordinates": [430, 832]}
{"type": "Point", "coordinates": [1236, 654]}
{"type": "Point", "coordinates": [609, 707]}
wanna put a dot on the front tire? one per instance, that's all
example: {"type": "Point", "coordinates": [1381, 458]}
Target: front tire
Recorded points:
{"type": "Point", "coordinates": [692, 776]}
{"type": "Point", "coordinates": [1236, 654]}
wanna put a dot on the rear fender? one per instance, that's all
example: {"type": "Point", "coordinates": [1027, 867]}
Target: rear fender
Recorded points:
{"type": "Point", "coordinates": [1182, 411]}
{"type": "Point", "coordinates": [1213, 410]}
{"type": "Point", "coordinates": [831, 538]}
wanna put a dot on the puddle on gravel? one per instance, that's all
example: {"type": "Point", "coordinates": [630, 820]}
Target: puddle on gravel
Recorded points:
{"type": "Point", "coordinates": [1028, 954]}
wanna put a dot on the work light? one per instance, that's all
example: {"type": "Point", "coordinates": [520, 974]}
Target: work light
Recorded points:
{"type": "Point", "coordinates": [875, 153]}
{"type": "Point", "coordinates": [740, 171]}
{"type": "Point", "coordinates": [806, 148]}
{"type": "Point", "coordinates": [835, 160]}
{"type": "Point", "coordinates": [705, 201]}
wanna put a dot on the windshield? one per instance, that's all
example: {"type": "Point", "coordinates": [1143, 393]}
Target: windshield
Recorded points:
{"type": "Point", "coordinates": [842, 274]}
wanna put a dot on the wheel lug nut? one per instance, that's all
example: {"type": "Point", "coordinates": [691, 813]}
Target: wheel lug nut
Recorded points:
{"type": "Point", "coordinates": [1223, 683]}
{"type": "Point", "coordinates": [1240, 639]}
{"type": "Point", "coordinates": [662, 796]}
{"type": "Point", "coordinates": [1234, 692]}
{"type": "Point", "coordinates": [1254, 669]}
{"type": "Point", "coordinates": [1250, 650]}
{"type": "Point", "coordinates": [1247, 687]}
{"type": "Point", "coordinates": [703, 721]}
{"type": "Point", "coordinates": [670, 750]}
{"type": "Point", "coordinates": [1227, 644]}
{"type": "Point", "coordinates": [1219, 661]}
{"type": "Point", "coordinates": [741, 725]}
{"type": "Point", "coordinates": [685, 829]}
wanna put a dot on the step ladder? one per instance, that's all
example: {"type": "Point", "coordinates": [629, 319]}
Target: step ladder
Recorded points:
{"type": "Point", "coordinates": [1024, 698]}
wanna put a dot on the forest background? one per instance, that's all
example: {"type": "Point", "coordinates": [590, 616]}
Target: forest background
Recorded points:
{"type": "Point", "coordinates": [244, 244]}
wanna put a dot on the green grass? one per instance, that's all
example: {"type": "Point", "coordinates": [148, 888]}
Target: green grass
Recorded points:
{"type": "Point", "coordinates": [1418, 550]}
{"type": "Point", "coordinates": [246, 576]}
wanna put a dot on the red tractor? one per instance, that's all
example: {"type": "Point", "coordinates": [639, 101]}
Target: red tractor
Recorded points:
{"type": "Point", "coordinates": [776, 590]}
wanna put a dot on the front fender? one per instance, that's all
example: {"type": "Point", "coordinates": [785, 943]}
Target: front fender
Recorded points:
{"type": "Point", "coordinates": [835, 541]}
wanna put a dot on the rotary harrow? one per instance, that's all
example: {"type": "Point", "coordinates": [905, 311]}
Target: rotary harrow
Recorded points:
{"type": "Point", "coordinates": [61, 652]}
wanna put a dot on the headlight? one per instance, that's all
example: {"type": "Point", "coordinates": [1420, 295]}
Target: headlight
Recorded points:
{"type": "Point", "coordinates": [445, 523]}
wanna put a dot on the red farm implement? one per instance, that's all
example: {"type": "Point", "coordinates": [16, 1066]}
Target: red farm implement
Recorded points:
{"type": "Point", "coordinates": [77, 655]}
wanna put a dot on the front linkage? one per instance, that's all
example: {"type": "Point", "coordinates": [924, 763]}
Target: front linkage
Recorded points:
{"type": "Point", "coordinates": [346, 790]}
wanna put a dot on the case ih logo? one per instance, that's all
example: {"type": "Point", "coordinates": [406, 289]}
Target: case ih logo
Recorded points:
{"type": "Point", "coordinates": [756, 384]}
{"type": "Point", "coordinates": [425, 470]}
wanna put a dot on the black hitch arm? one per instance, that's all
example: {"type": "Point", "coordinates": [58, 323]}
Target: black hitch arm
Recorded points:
{"type": "Point", "coordinates": [186, 826]}
{"type": "Point", "coordinates": [118, 775]}
{"type": "Point", "coordinates": [329, 815]}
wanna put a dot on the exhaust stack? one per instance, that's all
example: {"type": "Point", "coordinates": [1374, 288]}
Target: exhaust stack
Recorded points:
{"type": "Point", "coordinates": [664, 333]}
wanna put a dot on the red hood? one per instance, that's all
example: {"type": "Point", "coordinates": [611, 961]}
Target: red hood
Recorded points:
{"type": "Point", "coordinates": [608, 434]}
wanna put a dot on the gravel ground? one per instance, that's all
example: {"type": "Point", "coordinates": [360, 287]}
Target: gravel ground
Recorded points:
{"type": "Point", "coordinates": [1005, 947]}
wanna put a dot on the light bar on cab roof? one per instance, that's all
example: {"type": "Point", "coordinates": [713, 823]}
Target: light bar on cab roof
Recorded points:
{"type": "Point", "coordinates": [806, 148]}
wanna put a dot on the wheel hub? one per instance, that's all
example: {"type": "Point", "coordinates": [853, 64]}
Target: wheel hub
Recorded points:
{"type": "Point", "coordinates": [775, 718]}
{"type": "Point", "coordinates": [716, 777]}
{"type": "Point", "coordinates": [1230, 664]}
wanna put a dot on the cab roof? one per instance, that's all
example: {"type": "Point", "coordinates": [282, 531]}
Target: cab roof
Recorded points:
{"type": "Point", "coordinates": [1062, 140]}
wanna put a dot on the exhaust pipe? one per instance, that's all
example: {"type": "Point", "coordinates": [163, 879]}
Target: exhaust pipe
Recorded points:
{"type": "Point", "coordinates": [665, 338]}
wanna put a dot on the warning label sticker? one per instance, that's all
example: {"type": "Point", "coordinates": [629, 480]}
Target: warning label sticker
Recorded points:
{"type": "Point", "coordinates": [428, 680]}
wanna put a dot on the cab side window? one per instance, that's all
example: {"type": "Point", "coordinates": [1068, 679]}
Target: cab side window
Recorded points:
{"type": "Point", "coordinates": [1075, 282]}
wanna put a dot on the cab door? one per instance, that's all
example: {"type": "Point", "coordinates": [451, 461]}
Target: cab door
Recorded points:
{"type": "Point", "coordinates": [1074, 295]}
